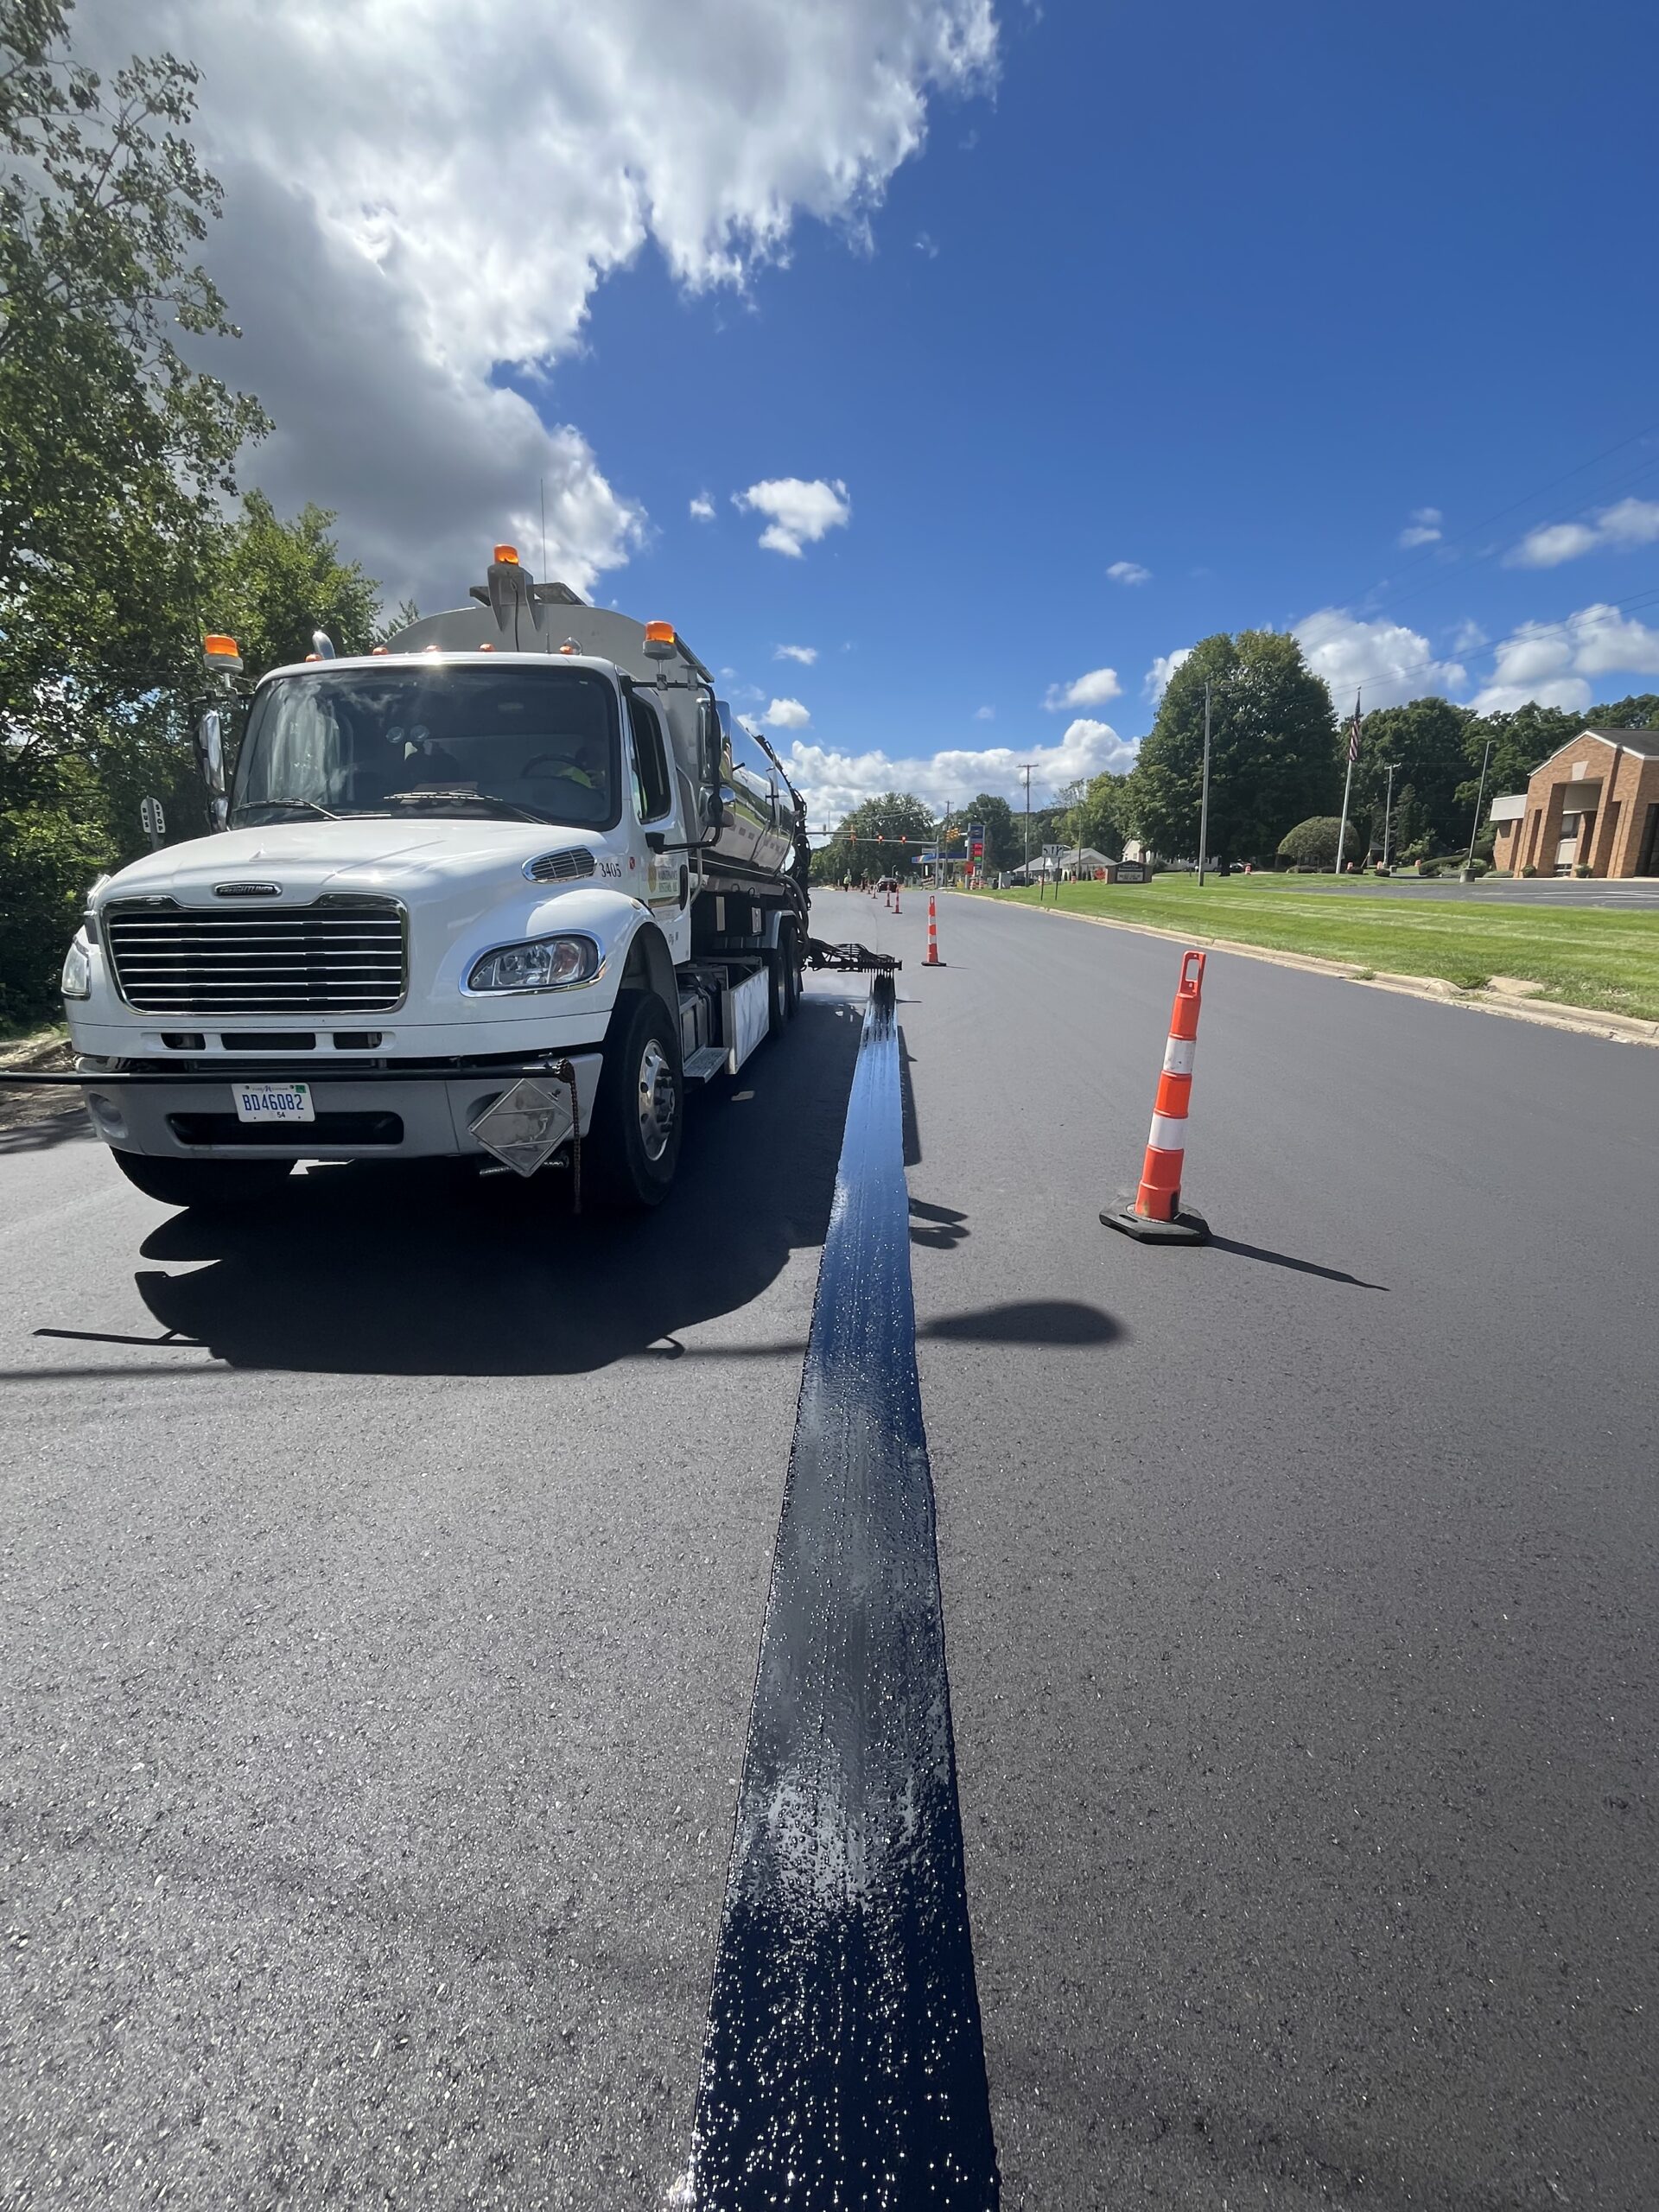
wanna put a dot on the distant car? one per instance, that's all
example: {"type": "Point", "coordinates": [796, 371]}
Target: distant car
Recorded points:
{"type": "Point", "coordinates": [888, 883]}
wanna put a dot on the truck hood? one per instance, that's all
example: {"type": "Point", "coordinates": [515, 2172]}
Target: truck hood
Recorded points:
{"type": "Point", "coordinates": [306, 859]}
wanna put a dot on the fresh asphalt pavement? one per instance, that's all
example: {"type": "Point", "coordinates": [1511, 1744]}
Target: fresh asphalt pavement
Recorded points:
{"type": "Point", "coordinates": [383, 1580]}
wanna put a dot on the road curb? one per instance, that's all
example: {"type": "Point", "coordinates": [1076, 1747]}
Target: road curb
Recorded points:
{"type": "Point", "coordinates": [1618, 1028]}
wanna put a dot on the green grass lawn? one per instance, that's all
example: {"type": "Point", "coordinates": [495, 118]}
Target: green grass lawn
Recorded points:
{"type": "Point", "coordinates": [1584, 956]}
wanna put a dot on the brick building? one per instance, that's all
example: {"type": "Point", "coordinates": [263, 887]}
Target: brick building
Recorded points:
{"type": "Point", "coordinates": [1594, 803]}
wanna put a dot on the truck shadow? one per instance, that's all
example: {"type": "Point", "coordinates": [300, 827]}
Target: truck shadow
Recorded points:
{"type": "Point", "coordinates": [371, 1270]}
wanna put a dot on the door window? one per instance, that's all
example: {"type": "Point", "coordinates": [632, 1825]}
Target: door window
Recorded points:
{"type": "Point", "coordinates": [653, 792]}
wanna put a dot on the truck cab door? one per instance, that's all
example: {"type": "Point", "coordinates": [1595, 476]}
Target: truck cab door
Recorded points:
{"type": "Point", "coordinates": [658, 812]}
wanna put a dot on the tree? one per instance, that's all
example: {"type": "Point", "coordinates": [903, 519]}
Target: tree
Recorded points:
{"type": "Point", "coordinates": [277, 583]}
{"type": "Point", "coordinates": [114, 455]}
{"type": "Point", "coordinates": [1312, 843]}
{"type": "Point", "coordinates": [1428, 742]}
{"type": "Point", "coordinates": [881, 837]}
{"type": "Point", "coordinates": [1274, 750]}
{"type": "Point", "coordinates": [1005, 838]}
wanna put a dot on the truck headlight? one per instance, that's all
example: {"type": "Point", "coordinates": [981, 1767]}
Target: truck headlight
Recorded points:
{"type": "Point", "coordinates": [77, 980]}
{"type": "Point", "coordinates": [543, 963]}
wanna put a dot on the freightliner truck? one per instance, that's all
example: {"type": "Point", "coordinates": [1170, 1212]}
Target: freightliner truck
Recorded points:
{"type": "Point", "coordinates": [497, 890]}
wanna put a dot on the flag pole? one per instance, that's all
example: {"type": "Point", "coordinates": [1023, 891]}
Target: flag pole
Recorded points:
{"type": "Point", "coordinates": [1348, 784]}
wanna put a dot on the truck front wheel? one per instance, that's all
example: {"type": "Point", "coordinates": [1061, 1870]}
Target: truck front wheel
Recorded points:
{"type": "Point", "coordinates": [635, 1142]}
{"type": "Point", "coordinates": [206, 1183]}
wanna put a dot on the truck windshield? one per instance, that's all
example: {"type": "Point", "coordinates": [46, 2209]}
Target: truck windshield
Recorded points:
{"type": "Point", "coordinates": [522, 744]}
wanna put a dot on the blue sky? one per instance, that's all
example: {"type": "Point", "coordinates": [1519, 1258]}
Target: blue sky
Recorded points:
{"type": "Point", "coordinates": [1239, 298]}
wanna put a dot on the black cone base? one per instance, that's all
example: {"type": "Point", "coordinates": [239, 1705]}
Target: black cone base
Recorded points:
{"type": "Point", "coordinates": [1186, 1229]}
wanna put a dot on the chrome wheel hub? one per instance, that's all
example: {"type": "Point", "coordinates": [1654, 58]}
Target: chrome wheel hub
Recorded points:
{"type": "Point", "coordinates": [656, 1101]}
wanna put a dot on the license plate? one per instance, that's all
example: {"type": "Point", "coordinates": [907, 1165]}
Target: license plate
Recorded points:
{"type": "Point", "coordinates": [273, 1102]}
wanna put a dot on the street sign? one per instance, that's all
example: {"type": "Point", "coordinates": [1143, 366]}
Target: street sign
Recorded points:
{"type": "Point", "coordinates": [152, 820]}
{"type": "Point", "coordinates": [1052, 852]}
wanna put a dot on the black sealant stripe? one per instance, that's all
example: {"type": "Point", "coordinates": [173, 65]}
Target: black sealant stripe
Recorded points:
{"type": "Point", "coordinates": [844, 2066]}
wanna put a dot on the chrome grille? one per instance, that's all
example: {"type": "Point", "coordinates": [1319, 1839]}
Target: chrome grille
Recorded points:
{"type": "Point", "coordinates": [343, 955]}
{"type": "Point", "coordinates": [561, 868]}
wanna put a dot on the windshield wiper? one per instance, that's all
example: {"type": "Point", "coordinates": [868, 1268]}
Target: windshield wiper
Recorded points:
{"type": "Point", "coordinates": [286, 805]}
{"type": "Point", "coordinates": [440, 798]}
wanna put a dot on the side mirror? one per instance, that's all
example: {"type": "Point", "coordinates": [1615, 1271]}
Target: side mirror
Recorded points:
{"type": "Point", "coordinates": [210, 752]}
{"type": "Point", "coordinates": [714, 809]}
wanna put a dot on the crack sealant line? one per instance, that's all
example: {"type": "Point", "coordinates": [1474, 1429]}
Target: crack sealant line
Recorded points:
{"type": "Point", "coordinates": [844, 2065]}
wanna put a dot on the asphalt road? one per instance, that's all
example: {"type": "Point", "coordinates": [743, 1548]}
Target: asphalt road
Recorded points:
{"type": "Point", "coordinates": [382, 1588]}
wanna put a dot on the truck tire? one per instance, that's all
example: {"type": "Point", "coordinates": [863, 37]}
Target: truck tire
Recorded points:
{"type": "Point", "coordinates": [206, 1184]}
{"type": "Point", "coordinates": [634, 1147]}
{"type": "Point", "coordinates": [783, 980]}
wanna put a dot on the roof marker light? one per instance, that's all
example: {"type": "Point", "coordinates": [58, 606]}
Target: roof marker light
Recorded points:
{"type": "Point", "coordinates": [220, 651]}
{"type": "Point", "coordinates": [380, 649]}
{"type": "Point", "coordinates": [659, 633]}
{"type": "Point", "coordinates": [507, 553]}
{"type": "Point", "coordinates": [487, 647]}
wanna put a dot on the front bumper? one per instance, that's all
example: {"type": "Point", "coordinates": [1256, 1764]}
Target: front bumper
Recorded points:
{"type": "Point", "coordinates": [376, 1115]}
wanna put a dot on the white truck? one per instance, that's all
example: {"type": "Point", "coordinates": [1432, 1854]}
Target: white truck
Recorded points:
{"type": "Point", "coordinates": [499, 890]}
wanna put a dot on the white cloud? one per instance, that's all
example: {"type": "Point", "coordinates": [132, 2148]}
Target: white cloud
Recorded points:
{"type": "Point", "coordinates": [805, 654]}
{"type": "Point", "coordinates": [702, 508]}
{"type": "Point", "coordinates": [1093, 689]}
{"type": "Point", "coordinates": [834, 782]}
{"type": "Point", "coordinates": [1468, 637]}
{"type": "Point", "coordinates": [1391, 663]}
{"type": "Point", "coordinates": [1129, 572]}
{"type": "Point", "coordinates": [1553, 662]}
{"type": "Point", "coordinates": [925, 244]}
{"type": "Point", "coordinates": [1162, 668]}
{"type": "Point", "coordinates": [801, 512]}
{"type": "Point", "coordinates": [1631, 522]}
{"type": "Point", "coordinates": [984, 714]}
{"type": "Point", "coordinates": [786, 714]}
{"type": "Point", "coordinates": [385, 266]}
{"type": "Point", "coordinates": [1424, 528]}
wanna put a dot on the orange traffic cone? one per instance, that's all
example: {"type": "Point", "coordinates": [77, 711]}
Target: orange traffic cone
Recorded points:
{"type": "Point", "coordinates": [932, 959]}
{"type": "Point", "coordinates": [1156, 1217]}
{"type": "Point", "coordinates": [895, 898]}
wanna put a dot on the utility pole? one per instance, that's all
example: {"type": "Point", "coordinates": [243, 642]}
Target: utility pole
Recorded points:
{"type": "Point", "coordinates": [1388, 810]}
{"type": "Point", "coordinates": [1348, 784]}
{"type": "Point", "coordinates": [1204, 803]}
{"type": "Point", "coordinates": [1474, 829]}
{"type": "Point", "coordinates": [1026, 772]}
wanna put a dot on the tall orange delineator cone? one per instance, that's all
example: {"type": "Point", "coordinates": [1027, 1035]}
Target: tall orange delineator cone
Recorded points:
{"type": "Point", "coordinates": [932, 959]}
{"type": "Point", "coordinates": [1156, 1217]}
{"type": "Point", "coordinates": [896, 888]}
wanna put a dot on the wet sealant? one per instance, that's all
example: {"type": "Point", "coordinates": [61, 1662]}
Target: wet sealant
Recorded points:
{"type": "Point", "coordinates": [844, 2065]}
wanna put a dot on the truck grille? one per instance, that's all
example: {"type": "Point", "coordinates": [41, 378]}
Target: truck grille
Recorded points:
{"type": "Point", "coordinates": [343, 955]}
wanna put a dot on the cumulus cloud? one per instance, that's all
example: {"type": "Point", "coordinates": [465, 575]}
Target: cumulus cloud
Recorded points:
{"type": "Point", "coordinates": [1423, 528]}
{"type": "Point", "coordinates": [1390, 663]}
{"type": "Point", "coordinates": [834, 782]}
{"type": "Point", "coordinates": [1631, 522]}
{"type": "Point", "coordinates": [786, 714]}
{"type": "Point", "coordinates": [702, 508]}
{"type": "Point", "coordinates": [385, 271]}
{"type": "Point", "coordinates": [801, 512]}
{"type": "Point", "coordinates": [1553, 662]}
{"type": "Point", "coordinates": [805, 654]}
{"type": "Point", "coordinates": [984, 714]}
{"type": "Point", "coordinates": [1129, 572]}
{"type": "Point", "coordinates": [1162, 668]}
{"type": "Point", "coordinates": [1093, 689]}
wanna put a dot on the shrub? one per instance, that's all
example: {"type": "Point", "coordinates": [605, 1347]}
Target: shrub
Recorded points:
{"type": "Point", "coordinates": [1310, 847]}
{"type": "Point", "coordinates": [47, 861]}
{"type": "Point", "coordinates": [1582, 869]}
{"type": "Point", "coordinates": [1529, 869]}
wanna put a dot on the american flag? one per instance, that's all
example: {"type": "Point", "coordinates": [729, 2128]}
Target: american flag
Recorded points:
{"type": "Point", "coordinates": [1353, 731]}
